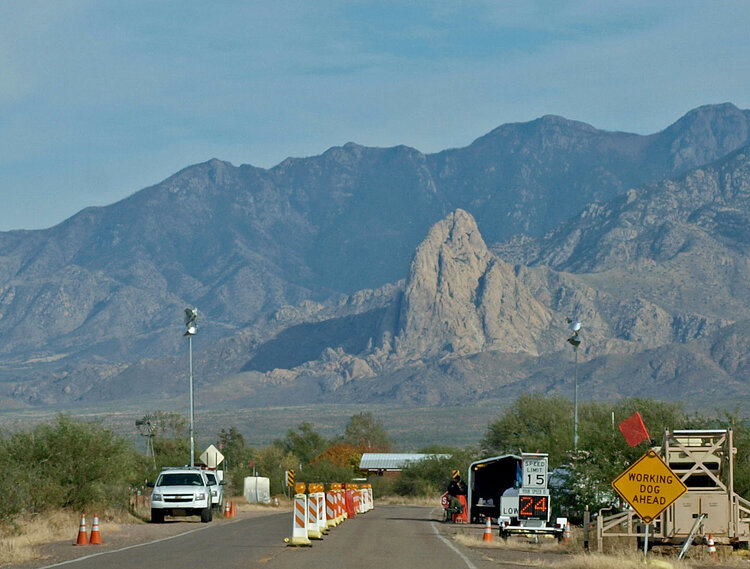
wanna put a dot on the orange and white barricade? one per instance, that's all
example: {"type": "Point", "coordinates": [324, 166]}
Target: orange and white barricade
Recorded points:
{"type": "Point", "coordinates": [321, 502]}
{"type": "Point", "coordinates": [372, 497]}
{"type": "Point", "coordinates": [299, 517]}
{"type": "Point", "coordinates": [331, 515]}
{"type": "Point", "coordinates": [341, 501]}
{"type": "Point", "coordinates": [355, 499]}
{"type": "Point", "coordinates": [313, 531]}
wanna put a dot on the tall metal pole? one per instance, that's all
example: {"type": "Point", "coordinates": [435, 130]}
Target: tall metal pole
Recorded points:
{"type": "Point", "coordinates": [191, 314]}
{"type": "Point", "coordinates": [575, 341]}
{"type": "Point", "coordinates": [575, 400]}
{"type": "Point", "coordinates": [192, 408]}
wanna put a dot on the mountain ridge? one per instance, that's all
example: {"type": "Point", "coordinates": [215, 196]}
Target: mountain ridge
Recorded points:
{"type": "Point", "coordinates": [103, 289]}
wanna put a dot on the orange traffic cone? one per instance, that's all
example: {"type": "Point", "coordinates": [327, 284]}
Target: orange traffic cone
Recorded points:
{"type": "Point", "coordinates": [227, 513]}
{"type": "Point", "coordinates": [232, 513]}
{"type": "Point", "coordinates": [487, 530]}
{"type": "Point", "coordinates": [712, 547]}
{"type": "Point", "coordinates": [96, 536]}
{"type": "Point", "coordinates": [83, 538]}
{"type": "Point", "coordinates": [566, 533]}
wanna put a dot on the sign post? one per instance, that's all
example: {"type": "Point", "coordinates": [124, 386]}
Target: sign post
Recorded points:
{"type": "Point", "coordinates": [650, 487]}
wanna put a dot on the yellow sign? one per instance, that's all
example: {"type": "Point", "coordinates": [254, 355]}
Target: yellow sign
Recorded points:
{"type": "Point", "coordinates": [649, 486]}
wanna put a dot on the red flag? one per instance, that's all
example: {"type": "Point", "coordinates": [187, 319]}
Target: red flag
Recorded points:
{"type": "Point", "coordinates": [634, 430]}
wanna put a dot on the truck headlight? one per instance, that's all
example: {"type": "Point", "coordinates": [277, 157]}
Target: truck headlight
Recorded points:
{"type": "Point", "coordinates": [156, 497]}
{"type": "Point", "coordinates": [200, 496]}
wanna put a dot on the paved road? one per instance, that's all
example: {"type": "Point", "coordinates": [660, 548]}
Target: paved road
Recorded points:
{"type": "Point", "coordinates": [394, 537]}
{"type": "Point", "coordinates": [238, 544]}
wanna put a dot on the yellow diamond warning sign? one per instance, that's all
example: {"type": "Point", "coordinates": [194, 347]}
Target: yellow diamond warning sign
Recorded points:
{"type": "Point", "coordinates": [649, 486]}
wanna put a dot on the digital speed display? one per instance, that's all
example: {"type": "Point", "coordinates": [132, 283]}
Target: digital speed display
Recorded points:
{"type": "Point", "coordinates": [533, 507]}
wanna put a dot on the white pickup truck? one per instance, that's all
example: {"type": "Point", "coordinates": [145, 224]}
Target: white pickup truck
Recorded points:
{"type": "Point", "coordinates": [181, 491]}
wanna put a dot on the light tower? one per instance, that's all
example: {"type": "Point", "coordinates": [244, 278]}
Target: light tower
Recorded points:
{"type": "Point", "coordinates": [575, 341]}
{"type": "Point", "coordinates": [192, 328]}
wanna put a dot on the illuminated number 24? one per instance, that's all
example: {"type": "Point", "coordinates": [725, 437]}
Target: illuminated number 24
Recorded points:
{"type": "Point", "coordinates": [527, 506]}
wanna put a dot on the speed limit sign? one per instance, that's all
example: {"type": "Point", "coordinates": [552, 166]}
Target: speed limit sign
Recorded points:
{"type": "Point", "coordinates": [534, 470]}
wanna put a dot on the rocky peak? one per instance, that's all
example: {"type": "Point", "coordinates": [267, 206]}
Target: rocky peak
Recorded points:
{"type": "Point", "coordinates": [460, 299]}
{"type": "Point", "coordinates": [705, 134]}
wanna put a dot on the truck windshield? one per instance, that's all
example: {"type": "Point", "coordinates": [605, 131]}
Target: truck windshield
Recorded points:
{"type": "Point", "coordinates": [180, 479]}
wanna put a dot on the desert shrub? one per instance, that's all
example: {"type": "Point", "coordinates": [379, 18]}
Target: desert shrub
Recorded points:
{"type": "Point", "coordinates": [69, 464]}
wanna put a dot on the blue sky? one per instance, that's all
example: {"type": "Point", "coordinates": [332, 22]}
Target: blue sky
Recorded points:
{"type": "Point", "coordinates": [99, 99]}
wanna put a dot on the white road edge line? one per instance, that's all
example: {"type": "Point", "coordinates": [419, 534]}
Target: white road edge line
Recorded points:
{"type": "Point", "coordinates": [132, 546]}
{"type": "Point", "coordinates": [442, 538]}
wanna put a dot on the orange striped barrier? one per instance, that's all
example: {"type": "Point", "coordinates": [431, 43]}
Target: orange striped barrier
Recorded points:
{"type": "Point", "coordinates": [299, 518]}
{"type": "Point", "coordinates": [331, 518]}
{"type": "Point", "coordinates": [338, 509]}
{"type": "Point", "coordinates": [313, 531]}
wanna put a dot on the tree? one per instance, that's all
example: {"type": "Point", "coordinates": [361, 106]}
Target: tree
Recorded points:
{"type": "Point", "coordinates": [304, 443]}
{"type": "Point", "coordinates": [272, 462]}
{"type": "Point", "coordinates": [533, 423]}
{"type": "Point", "coordinates": [171, 440]}
{"type": "Point", "coordinates": [367, 433]}
{"type": "Point", "coordinates": [237, 457]}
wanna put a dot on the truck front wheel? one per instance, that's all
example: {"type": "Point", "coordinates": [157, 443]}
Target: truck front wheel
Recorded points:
{"type": "Point", "coordinates": [206, 515]}
{"type": "Point", "coordinates": [157, 516]}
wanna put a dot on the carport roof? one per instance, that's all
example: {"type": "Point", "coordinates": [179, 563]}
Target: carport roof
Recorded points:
{"type": "Point", "coordinates": [393, 461]}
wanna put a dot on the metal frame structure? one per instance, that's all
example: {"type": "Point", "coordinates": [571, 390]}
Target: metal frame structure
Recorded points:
{"type": "Point", "coordinates": [704, 461]}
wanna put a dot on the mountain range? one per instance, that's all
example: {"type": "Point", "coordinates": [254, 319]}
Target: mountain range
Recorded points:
{"type": "Point", "coordinates": [388, 275]}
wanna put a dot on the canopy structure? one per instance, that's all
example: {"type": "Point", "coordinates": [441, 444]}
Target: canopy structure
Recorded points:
{"type": "Point", "coordinates": [380, 463]}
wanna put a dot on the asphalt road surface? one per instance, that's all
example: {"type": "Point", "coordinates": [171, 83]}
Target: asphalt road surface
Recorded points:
{"type": "Point", "coordinates": [392, 537]}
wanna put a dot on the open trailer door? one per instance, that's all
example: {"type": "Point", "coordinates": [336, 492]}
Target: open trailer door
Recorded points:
{"type": "Point", "coordinates": [488, 479]}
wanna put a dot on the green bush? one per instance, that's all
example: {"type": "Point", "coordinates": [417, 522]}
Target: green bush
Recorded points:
{"type": "Point", "coordinates": [431, 476]}
{"type": "Point", "coordinates": [69, 464]}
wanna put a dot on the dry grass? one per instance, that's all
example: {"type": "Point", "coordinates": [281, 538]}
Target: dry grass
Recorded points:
{"type": "Point", "coordinates": [632, 560]}
{"type": "Point", "coordinates": [546, 544]}
{"type": "Point", "coordinates": [21, 542]}
{"type": "Point", "coordinates": [613, 560]}
{"type": "Point", "coordinates": [406, 501]}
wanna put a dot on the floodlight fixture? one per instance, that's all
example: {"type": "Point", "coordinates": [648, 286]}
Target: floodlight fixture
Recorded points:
{"type": "Point", "coordinates": [190, 315]}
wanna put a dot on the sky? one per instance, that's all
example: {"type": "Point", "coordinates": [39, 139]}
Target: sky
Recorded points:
{"type": "Point", "coordinates": [99, 99]}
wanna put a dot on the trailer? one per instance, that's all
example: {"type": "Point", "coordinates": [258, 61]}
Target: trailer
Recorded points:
{"type": "Point", "coordinates": [513, 490]}
{"type": "Point", "coordinates": [525, 510]}
{"type": "Point", "coordinates": [704, 462]}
